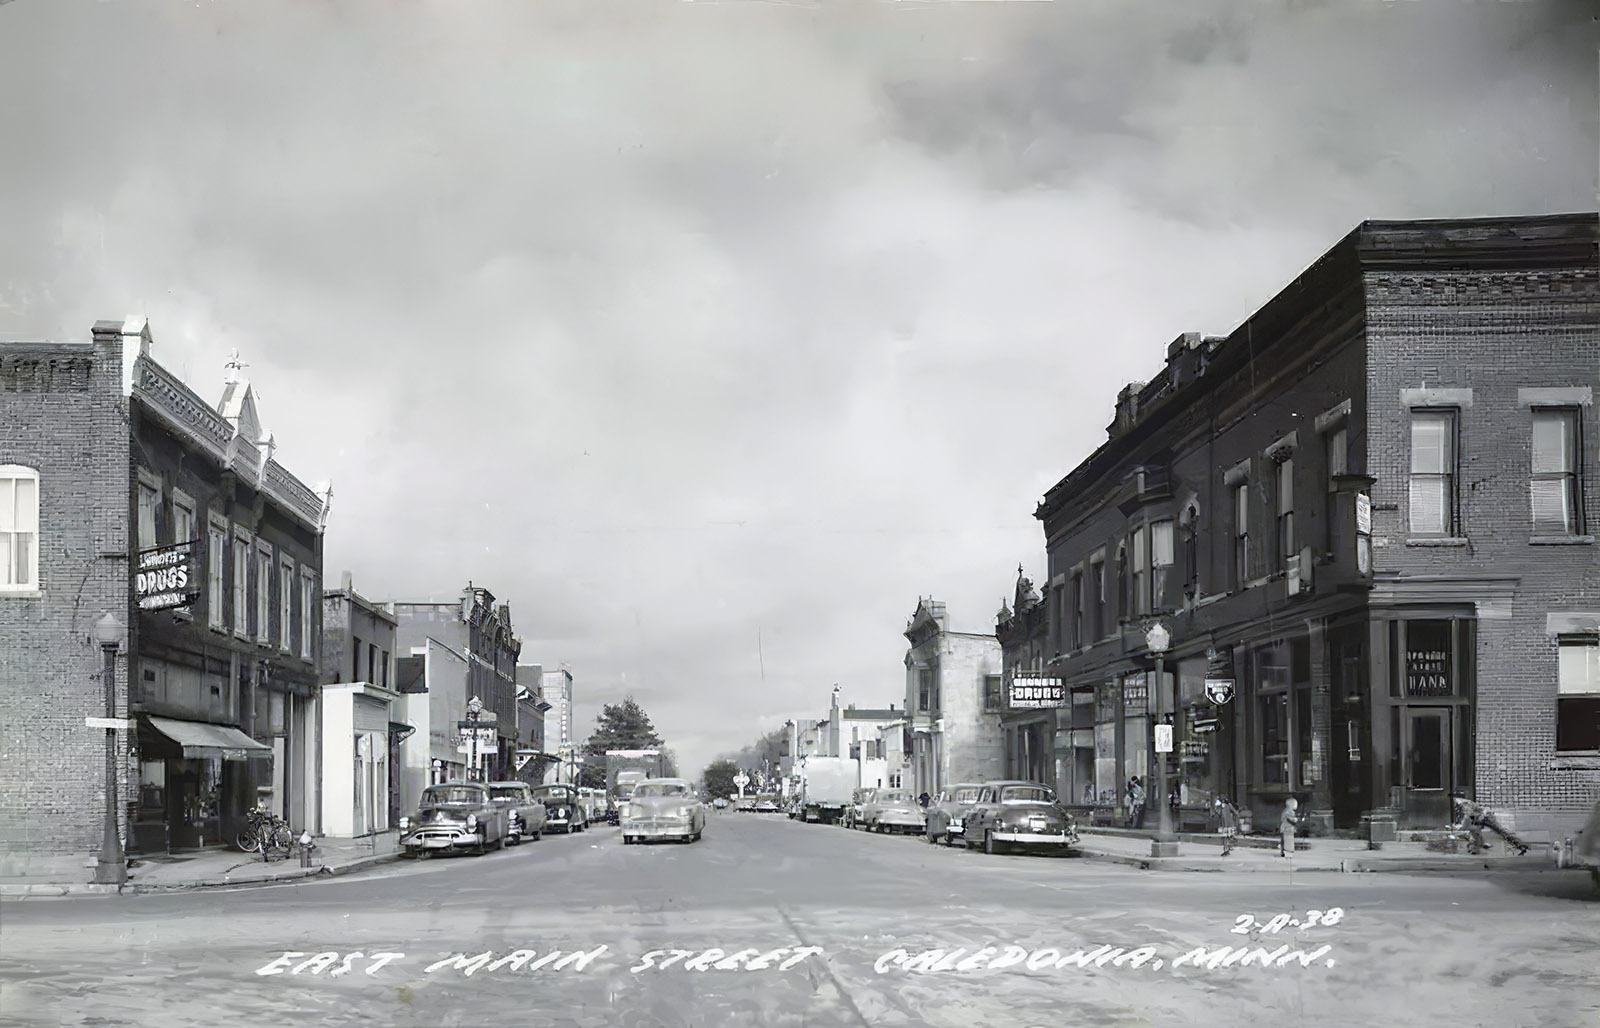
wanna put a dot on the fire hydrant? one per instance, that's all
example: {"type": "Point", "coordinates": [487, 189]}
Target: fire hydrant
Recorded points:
{"type": "Point", "coordinates": [306, 846]}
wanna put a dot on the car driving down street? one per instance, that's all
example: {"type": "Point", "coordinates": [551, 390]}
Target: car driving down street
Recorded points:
{"type": "Point", "coordinates": [453, 816]}
{"type": "Point", "coordinates": [663, 808]}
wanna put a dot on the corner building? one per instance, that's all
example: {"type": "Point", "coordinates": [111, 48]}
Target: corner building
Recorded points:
{"type": "Point", "coordinates": [1370, 509]}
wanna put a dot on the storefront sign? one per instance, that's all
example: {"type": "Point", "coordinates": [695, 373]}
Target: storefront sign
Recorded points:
{"type": "Point", "coordinates": [1363, 514]}
{"type": "Point", "coordinates": [1163, 738]}
{"type": "Point", "coordinates": [487, 739]}
{"type": "Point", "coordinates": [1219, 690]}
{"type": "Point", "coordinates": [1427, 669]}
{"type": "Point", "coordinates": [1030, 691]}
{"type": "Point", "coordinates": [1135, 696]}
{"type": "Point", "coordinates": [1196, 748]}
{"type": "Point", "coordinates": [161, 580]}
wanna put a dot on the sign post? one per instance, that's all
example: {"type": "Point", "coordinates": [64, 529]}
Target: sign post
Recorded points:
{"type": "Point", "coordinates": [741, 780]}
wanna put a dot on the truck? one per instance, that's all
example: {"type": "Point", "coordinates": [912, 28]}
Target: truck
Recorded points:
{"type": "Point", "coordinates": [627, 768]}
{"type": "Point", "coordinates": [826, 785]}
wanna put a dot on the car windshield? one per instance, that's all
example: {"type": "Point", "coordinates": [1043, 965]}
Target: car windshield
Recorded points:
{"type": "Point", "coordinates": [894, 797]}
{"type": "Point", "coordinates": [554, 792]}
{"type": "Point", "coordinates": [966, 795]}
{"type": "Point", "coordinates": [508, 792]}
{"type": "Point", "coordinates": [451, 794]}
{"type": "Point", "coordinates": [1026, 794]}
{"type": "Point", "coordinates": [649, 789]}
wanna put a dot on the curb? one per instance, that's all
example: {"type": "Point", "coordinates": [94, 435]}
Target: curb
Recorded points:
{"type": "Point", "coordinates": [59, 891]}
{"type": "Point", "coordinates": [1352, 865]}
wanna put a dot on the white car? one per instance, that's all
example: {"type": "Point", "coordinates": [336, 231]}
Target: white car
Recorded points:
{"type": "Point", "coordinates": [663, 808]}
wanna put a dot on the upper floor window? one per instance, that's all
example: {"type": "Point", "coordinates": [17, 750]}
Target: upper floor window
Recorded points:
{"type": "Point", "coordinates": [1139, 544]}
{"type": "Point", "coordinates": [264, 595]}
{"type": "Point", "coordinates": [1241, 534]}
{"type": "Point", "coordinates": [184, 528]}
{"type": "Point", "coordinates": [1433, 473]}
{"type": "Point", "coordinates": [1124, 588]}
{"type": "Point", "coordinates": [993, 693]}
{"type": "Point", "coordinates": [241, 586]}
{"type": "Point", "coordinates": [1578, 695]}
{"type": "Point", "coordinates": [1161, 557]}
{"type": "Point", "coordinates": [1077, 611]}
{"type": "Point", "coordinates": [285, 602]}
{"type": "Point", "coordinates": [149, 500]}
{"type": "Point", "coordinates": [19, 528]}
{"type": "Point", "coordinates": [1287, 543]}
{"type": "Point", "coordinates": [307, 613]}
{"type": "Point", "coordinates": [1097, 599]}
{"type": "Point", "coordinates": [216, 553]}
{"type": "Point", "coordinates": [1337, 458]}
{"type": "Point", "coordinates": [924, 689]}
{"type": "Point", "coordinates": [1554, 485]}
{"type": "Point", "coordinates": [1191, 552]}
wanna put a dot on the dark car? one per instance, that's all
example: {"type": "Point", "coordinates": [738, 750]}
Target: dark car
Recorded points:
{"type": "Point", "coordinates": [563, 808]}
{"type": "Point", "coordinates": [1021, 814]}
{"type": "Point", "coordinates": [453, 816]}
{"type": "Point", "coordinates": [947, 813]}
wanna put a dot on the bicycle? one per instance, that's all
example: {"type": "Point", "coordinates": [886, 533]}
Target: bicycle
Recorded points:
{"type": "Point", "coordinates": [267, 834]}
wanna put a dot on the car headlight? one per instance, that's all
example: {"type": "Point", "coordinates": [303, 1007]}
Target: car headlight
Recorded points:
{"type": "Point", "coordinates": [472, 822]}
{"type": "Point", "coordinates": [405, 822]}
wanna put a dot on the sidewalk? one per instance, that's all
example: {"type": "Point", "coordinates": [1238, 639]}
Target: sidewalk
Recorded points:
{"type": "Point", "coordinates": [208, 868]}
{"type": "Point", "coordinates": [1204, 853]}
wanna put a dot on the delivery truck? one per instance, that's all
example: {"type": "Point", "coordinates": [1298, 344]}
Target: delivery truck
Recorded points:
{"type": "Point", "coordinates": [826, 785]}
{"type": "Point", "coordinates": [627, 768]}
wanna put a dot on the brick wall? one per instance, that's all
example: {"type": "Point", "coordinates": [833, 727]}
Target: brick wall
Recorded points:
{"type": "Point", "coordinates": [62, 413]}
{"type": "Point", "coordinates": [1494, 332]}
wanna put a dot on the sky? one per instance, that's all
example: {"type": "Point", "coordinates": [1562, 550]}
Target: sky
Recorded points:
{"type": "Point", "coordinates": [711, 336]}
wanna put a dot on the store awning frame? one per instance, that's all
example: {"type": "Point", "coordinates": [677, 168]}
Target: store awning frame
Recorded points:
{"type": "Point", "coordinates": [202, 741]}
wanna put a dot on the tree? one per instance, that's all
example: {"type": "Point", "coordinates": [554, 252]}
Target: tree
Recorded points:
{"type": "Point", "coordinates": [620, 726]}
{"type": "Point", "coordinates": [719, 778]}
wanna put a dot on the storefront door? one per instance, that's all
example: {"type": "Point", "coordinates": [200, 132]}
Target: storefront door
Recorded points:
{"type": "Point", "coordinates": [1427, 764]}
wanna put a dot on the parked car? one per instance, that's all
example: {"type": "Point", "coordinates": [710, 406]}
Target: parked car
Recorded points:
{"type": "Point", "coordinates": [1017, 813]}
{"type": "Point", "coordinates": [563, 808]}
{"type": "Point", "coordinates": [721, 802]}
{"type": "Point", "coordinates": [766, 805]}
{"type": "Point", "coordinates": [893, 810]}
{"type": "Point", "coordinates": [453, 816]}
{"type": "Point", "coordinates": [663, 808]}
{"type": "Point", "coordinates": [852, 813]}
{"type": "Point", "coordinates": [525, 814]}
{"type": "Point", "coordinates": [594, 804]}
{"type": "Point", "coordinates": [947, 813]}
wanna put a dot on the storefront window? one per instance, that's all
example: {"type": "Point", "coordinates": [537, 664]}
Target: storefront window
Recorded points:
{"type": "Point", "coordinates": [1105, 762]}
{"type": "Point", "coordinates": [1275, 739]}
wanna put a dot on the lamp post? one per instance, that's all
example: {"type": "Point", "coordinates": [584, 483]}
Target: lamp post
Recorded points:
{"type": "Point", "coordinates": [1165, 844]}
{"type": "Point", "coordinates": [474, 711]}
{"type": "Point", "coordinates": [112, 868]}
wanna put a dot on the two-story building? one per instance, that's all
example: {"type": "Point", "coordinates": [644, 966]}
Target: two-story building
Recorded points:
{"type": "Point", "coordinates": [954, 701]}
{"type": "Point", "coordinates": [532, 760]}
{"type": "Point", "coordinates": [1035, 724]}
{"type": "Point", "coordinates": [360, 734]}
{"type": "Point", "coordinates": [1365, 519]}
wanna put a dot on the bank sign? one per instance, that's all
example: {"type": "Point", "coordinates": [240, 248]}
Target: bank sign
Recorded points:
{"type": "Point", "coordinates": [1030, 692]}
{"type": "Point", "coordinates": [161, 579]}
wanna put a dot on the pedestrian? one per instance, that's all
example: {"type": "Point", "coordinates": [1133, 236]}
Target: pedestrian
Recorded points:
{"type": "Point", "coordinates": [1227, 823]}
{"type": "Point", "coordinates": [1473, 819]}
{"type": "Point", "coordinates": [1286, 827]}
{"type": "Point", "coordinates": [1135, 802]}
{"type": "Point", "coordinates": [924, 800]}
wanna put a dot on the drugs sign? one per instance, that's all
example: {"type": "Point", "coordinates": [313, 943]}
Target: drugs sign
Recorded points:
{"type": "Point", "coordinates": [161, 580]}
{"type": "Point", "coordinates": [1219, 690]}
{"type": "Point", "coordinates": [1031, 692]}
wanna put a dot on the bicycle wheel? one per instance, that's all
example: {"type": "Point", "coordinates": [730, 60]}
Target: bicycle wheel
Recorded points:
{"type": "Point", "coordinates": [281, 838]}
{"type": "Point", "coordinates": [248, 841]}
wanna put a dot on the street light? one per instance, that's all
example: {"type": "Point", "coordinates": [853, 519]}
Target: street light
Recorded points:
{"type": "Point", "coordinates": [1165, 844]}
{"type": "Point", "coordinates": [112, 868]}
{"type": "Point", "coordinates": [474, 711]}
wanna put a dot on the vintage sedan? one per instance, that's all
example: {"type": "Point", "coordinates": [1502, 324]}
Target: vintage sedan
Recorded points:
{"type": "Point", "coordinates": [563, 808]}
{"type": "Point", "coordinates": [663, 808]}
{"type": "Point", "coordinates": [947, 813]}
{"type": "Point", "coordinates": [1017, 813]}
{"type": "Point", "coordinates": [453, 816]}
{"type": "Point", "coordinates": [893, 810]}
{"type": "Point", "coordinates": [851, 818]}
{"type": "Point", "coordinates": [525, 813]}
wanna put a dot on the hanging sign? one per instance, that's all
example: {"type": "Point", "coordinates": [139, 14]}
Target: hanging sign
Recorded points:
{"type": "Point", "coordinates": [1163, 738]}
{"type": "Point", "coordinates": [1033, 691]}
{"type": "Point", "coordinates": [1219, 690]}
{"type": "Point", "coordinates": [162, 576]}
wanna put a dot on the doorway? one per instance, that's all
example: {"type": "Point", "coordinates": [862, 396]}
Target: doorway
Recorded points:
{"type": "Point", "coordinates": [1428, 764]}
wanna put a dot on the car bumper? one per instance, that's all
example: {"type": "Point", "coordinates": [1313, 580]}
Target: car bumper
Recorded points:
{"type": "Point", "coordinates": [901, 821]}
{"type": "Point", "coordinates": [648, 830]}
{"type": "Point", "coordinates": [439, 839]}
{"type": "Point", "coordinates": [1038, 838]}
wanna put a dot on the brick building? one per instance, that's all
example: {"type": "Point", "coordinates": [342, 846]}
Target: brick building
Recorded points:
{"type": "Point", "coordinates": [953, 699]}
{"type": "Point", "coordinates": [127, 493]}
{"type": "Point", "coordinates": [1367, 510]}
{"type": "Point", "coordinates": [360, 734]}
{"type": "Point", "coordinates": [533, 761]}
{"type": "Point", "coordinates": [478, 631]}
{"type": "Point", "coordinates": [1030, 721]}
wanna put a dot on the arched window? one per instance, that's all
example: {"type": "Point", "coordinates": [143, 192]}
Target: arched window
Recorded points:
{"type": "Point", "coordinates": [19, 529]}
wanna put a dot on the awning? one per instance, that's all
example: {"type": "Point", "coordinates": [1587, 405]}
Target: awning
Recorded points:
{"type": "Point", "coordinates": [201, 741]}
{"type": "Point", "coordinates": [399, 731]}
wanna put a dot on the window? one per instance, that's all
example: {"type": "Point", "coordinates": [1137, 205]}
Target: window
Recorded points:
{"type": "Point", "coordinates": [183, 520]}
{"type": "Point", "coordinates": [1578, 695]}
{"type": "Point", "coordinates": [1433, 467]}
{"type": "Point", "coordinates": [1161, 557]}
{"type": "Point", "coordinates": [1287, 546]}
{"type": "Point", "coordinates": [1141, 568]}
{"type": "Point", "coordinates": [216, 552]}
{"type": "Point", "coordinates": [264, 595]}
{"type": "Point", "coordinates": [1337, 457]}
{"type": "Point", "coordinates": [149, 500]}
{"type": "Point", "coordinates": [355, 658]}
{"type": "Point", "coordinates": [307, 614]}
{"type": "Point", "coordinates": [1124, 594]}
{"type": "Point", "coordinates": [372, 664]}
{"type": "Point", "coordinates": [384, 669]}
{"type": "Point", "coordinates": [1554, 486]}
{"type": "Point", "coordinates": [1241, 534]}
{"type": "Point", "coordinates": [285, 602]}
{"type": "Point", "coordinates": [19, 528]}
{"type": "Point", "coordinates": [1097, 599]}
{"type": "Point", "coordinates": [993, 693]}
{"type": "Point", "coordinates": [241, 592]}
{"type": "Point", "coordinates": [1191, 553]}
{"type": "Point", "coordinates": [1077, 612]}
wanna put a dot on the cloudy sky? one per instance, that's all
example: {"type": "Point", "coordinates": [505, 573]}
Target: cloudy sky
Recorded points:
{"type": "Point", "coordinates": [711, 335]}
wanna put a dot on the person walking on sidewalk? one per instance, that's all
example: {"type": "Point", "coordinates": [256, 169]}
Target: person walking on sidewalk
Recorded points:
{"type": "Point", "coordinates": [1473, 819]}
{"type": "Point", "coordinates": [1286, 827]}
{"type": "Point", "coordinates": [1135, 802]}
{"type": "Point", "coordinates": [1227, 823]}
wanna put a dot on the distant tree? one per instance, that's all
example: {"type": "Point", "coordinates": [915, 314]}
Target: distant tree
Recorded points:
{"type": "Point", "coordinates": [620, 726]}
{"type": "Point", "coordinates": [718, 777]}
{"type": "Point", "coordinates": [669, 763]}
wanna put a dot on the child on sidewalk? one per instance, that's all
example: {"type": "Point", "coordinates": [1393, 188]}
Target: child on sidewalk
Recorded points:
{"type": "Point", "coordinates": [1286, 827]}
{"type": "Point", "coordinates": [1228, 823]}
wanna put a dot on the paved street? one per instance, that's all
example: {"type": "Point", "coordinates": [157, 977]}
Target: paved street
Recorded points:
{"type": "Point", "coordinates": [1517, 949]}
